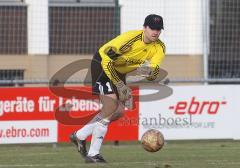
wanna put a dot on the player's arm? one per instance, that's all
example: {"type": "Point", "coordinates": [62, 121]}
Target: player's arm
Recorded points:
{"type": "Point", "coordinates": [156, 61]}
{"type": "Point", "coordinates": [109, 53]}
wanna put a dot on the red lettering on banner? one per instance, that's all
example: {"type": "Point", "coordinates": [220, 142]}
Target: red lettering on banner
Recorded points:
{"type": "Point", "coordinates": [195, 107]}
{"type": "Point", "coordinates": [180, 107]}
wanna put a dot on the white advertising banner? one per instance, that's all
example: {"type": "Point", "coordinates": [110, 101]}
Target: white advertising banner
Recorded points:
{"type": "Point", "coordinates": [236, 119]}
{"type": "Point", "coordinates": [192, 112]}
{"type": "Point", "coordinates": [28, 131]}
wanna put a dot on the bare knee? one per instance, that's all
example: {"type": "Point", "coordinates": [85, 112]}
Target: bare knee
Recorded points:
{"type": "Point", "coordinates": [118, 113]}
{"type": "Point", "coordinates": [108, 108]}
{"type": "Point", "coordinates": [112, 108]}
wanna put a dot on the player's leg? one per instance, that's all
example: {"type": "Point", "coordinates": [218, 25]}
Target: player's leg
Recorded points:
{"type": "Point", "coordinates": [119, 112]}
{"type": "Point", "coordinates": [110, 104]}
{"type": "Point", "coordinates": [112, 110]}
{"type": "Point", "coordinates": [80, 144]}
{"type": "Point", "coordinates": [79, 137]}
{"type": "Point", "coordinates": [98, 126]}
{"type": "Point", "coordinates": [87, 129]}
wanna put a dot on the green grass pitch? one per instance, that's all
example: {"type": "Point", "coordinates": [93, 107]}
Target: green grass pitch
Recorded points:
{"type": "Point", "coordinates": [175, 154]}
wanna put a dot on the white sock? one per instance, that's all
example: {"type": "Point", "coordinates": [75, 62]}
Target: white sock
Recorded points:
{"type": "Point", "coordinates": [98, 135]}
{"type": "Point", "coordinates": [87, 129]}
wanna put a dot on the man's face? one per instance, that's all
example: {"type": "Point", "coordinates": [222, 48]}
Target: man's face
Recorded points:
{"type": "Point", "coordinates": [151, 35]}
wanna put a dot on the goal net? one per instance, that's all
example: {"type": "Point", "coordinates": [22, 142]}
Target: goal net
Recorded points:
{"type": "Point", "coordinates": [224, 49]}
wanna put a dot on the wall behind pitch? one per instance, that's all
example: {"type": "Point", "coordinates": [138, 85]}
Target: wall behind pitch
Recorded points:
{"type": "Point", "coordinates": [183, 22]}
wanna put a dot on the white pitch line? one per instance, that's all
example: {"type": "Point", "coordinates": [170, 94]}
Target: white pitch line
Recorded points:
{"type": "Point", "coordinates": [83, 164]}
{"type": "Point", "coordinates": [225, 163]}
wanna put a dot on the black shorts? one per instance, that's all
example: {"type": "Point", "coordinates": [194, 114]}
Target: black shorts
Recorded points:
{"type": "Point", "coordinates": [101, 84]}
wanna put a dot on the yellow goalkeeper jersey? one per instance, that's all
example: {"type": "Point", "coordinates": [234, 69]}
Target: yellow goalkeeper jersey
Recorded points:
{"type": "Point", "coordinates": [127, 52]}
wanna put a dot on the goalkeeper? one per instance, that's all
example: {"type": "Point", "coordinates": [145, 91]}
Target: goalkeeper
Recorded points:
{"type": "Point", "coordinates": [109, 66]}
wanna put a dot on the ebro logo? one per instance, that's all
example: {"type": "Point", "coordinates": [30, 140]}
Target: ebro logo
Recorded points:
{"type": "Point", "coordinates": [195, 107]}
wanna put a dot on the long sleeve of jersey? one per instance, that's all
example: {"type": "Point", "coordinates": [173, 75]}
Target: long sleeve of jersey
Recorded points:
{"type": "Point", "coordinates": [157, 59]}
{"type": "Point", "coordinates": [111, 51]}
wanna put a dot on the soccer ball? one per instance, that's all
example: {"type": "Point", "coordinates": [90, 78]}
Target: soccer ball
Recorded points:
{"type": "Point", "coordinates": [152, 140]}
